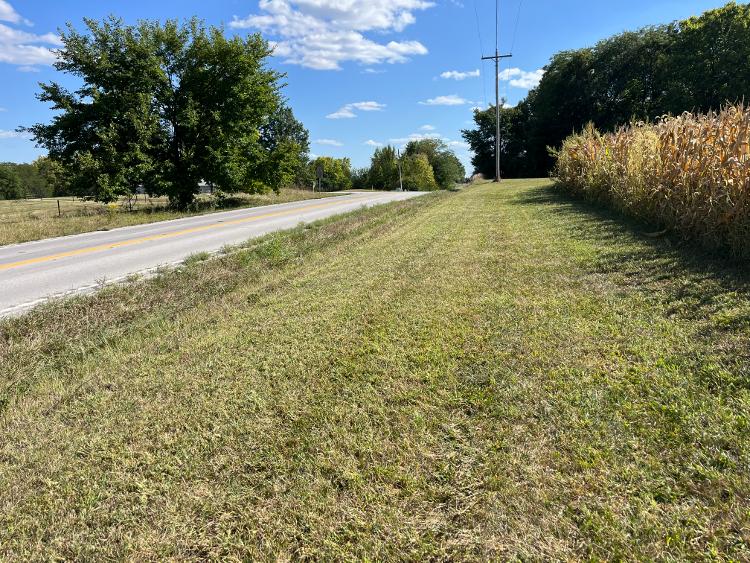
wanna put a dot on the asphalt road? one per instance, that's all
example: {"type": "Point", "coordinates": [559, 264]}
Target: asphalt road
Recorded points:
{"type": "Point", "coordinates": [33, 272]}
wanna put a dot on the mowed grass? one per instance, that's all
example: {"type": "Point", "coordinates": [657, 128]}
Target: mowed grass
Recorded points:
{"type": "Point", "coordinates": [494, 373]}
{"type": "Point", "coordinates": [25, 220]}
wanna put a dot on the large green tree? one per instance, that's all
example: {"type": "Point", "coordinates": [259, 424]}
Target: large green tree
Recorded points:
{"type": "Point", "coordinates": [337, 172]}
{"type": "Point", "coordinates": [164, 106]}
{"type": "Point", "coordinates": [709, 60]}
{"type": "Point", "coordinates": [10, 185]}
{"type": "Point", "coordinates": [284, 135]}
{"type": "Point", "coordinates": [53, 175]}
{"type": "Point", "coordinates": [446, 167]}
{"type": "Point", "coordinates": [418, 175]}
{"type": "Point", "coordinates": [513, 162]}
{"type": "Point", "coordinates": [384, 169]}
{"type": "Point", "coordinates": [32, 179]}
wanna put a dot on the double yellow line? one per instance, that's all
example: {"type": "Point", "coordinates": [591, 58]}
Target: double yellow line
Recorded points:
{"type": "Point", "coordinates": [173, 234]}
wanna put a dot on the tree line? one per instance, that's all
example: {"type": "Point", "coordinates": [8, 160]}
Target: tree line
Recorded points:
{"type": "Point", "coordinates": [165, 107]}
{"type": "Point", "coordinates": [37, 179]}
{"type": "Point", "coordinates": [698, 64]}
{"type": "Point", "coordinates": [425, 165]}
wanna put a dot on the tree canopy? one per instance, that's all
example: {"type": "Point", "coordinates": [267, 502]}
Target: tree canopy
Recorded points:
{"type": "Point", "coordinates": [10, 185]}
{"type": "Point", "coordinates": [383, 173]}
{"type": "Point", "coordinates": [699, 64]}
{"type": "Point", "coordinates": [166, 106]}
{"type": "Point", "coordinates": [41, 178]}
{"type": "Point", "coordinates": [337, 172]}
{"type": "Point", "coordinates": [427, 164]}
{"type": "Point", "coordinates": [447, 170]}
{"type": "Point", "coordinates": [418, 175]}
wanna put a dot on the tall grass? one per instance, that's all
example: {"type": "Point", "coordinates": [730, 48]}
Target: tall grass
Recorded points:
{"type": "Point", "coordinates": [689, 174]}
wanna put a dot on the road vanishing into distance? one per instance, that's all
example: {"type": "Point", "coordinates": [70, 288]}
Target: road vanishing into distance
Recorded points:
{"type": "Point", "coordinates": [33, 272]}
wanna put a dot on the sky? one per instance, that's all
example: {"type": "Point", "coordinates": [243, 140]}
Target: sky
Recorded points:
{"type": "Point", "coordinates": [360, 73]}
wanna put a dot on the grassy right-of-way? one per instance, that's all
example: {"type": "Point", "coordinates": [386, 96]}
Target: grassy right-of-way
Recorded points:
{"type": "Point", "coordinates": [493, 373]}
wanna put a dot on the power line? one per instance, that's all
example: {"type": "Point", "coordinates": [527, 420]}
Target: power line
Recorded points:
{"type": "Point", "coordinates": [481, 52]}
{"type": "Point", "coordinates": [479, 29]}
{"type": "Point", "coordinates": [507, 87]}
{"type": "Point", "coordinates": [515, 29]}
{"type": "Point", "coordinates": [497, 25]}
{"type": "Point", "coordinates": [512, 47]}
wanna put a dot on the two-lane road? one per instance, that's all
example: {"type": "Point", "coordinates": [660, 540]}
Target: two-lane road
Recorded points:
{"type": "Point", "coordinates": [33, 272]}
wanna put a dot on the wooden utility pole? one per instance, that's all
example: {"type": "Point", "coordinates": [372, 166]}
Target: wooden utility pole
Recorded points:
{"type": "Point", "coordinates": [400, 174]}
{"type": "Point", "coordinates": [497, 58]}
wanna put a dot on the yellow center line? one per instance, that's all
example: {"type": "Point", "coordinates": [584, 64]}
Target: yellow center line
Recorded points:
{"type": "Point", "coordinates": [131, 242]}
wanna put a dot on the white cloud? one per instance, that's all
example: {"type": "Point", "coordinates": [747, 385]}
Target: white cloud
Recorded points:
{"type": "Point", "coordinates": [329, 142]}
{"type": "Point", "coordinates": [343, 113]}
{"type": "Point", "coordinates": [13, 135]}
{"type": "Point", "coordinates": [322, 34]}
{"type": "Point", "coordinates": [347, 111]}
{"type": "Point", "coordinates": [427, 128]}
{"type": "Point", "coordinates": [451, 100]}
{"type": "Point", "coordinates": [458, 75]}
{"type": "Point", "coordinates": [522, 79]}
{"type": "Point", "coordinates": [3, 109]}
{"type": "Point", "coordinates": [372, 143]}
{"type": "Point", "coordinates": [21, 48]}
{"type": "Point", "coordinates": [368, 106]}
{"type": "Point", "coordinates": [401, 142]}
{"type": "Point", "coordinates": [8, 14]}
{"type": "Point", "coordinates": [416, 137]}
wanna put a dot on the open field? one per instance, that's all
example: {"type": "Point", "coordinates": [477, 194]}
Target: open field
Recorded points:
{"type": "Point", "coordinates": [492, 373]}
{"type": "Point", "coordinates": [25, 220]}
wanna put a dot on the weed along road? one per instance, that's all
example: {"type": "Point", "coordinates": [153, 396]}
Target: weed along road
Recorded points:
{"type": "Point", "coordinates": [36, 271]}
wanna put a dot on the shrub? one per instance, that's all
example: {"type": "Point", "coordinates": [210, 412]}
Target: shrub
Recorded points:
{"type": "Point", "coordinates": [689, 174]}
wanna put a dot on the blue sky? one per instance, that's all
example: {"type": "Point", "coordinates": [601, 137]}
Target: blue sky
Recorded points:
{"type": "Point", "coordinates": [361, 73]}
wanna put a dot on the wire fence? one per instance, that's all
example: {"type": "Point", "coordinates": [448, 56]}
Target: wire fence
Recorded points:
{"type": "Point", "coordinates": [18, 210]}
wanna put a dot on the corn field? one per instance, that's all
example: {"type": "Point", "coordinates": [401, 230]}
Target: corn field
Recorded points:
{"type": "Point", "coordinates": [688, 174]}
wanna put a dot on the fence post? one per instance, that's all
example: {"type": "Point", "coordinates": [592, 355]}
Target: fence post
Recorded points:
{"type": "Point", "coordinates": [59, 211]}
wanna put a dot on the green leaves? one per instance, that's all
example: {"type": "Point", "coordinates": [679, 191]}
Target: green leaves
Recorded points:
{"type": "Point", "coordinates": [427, 164]}
{"type": "Point", "coordinates": [337, 172]}
{"type": "Point", "coordinates": [514, 160]}
{"type": "Point", "coordinates": [166, 107]}
{"type": "Point", "coordinates": [384, 169]}
{"type": "Point", "coordinates": [446, 171]}
{"type": "Point", "coordinates": [10, 184]}
{"type": "Point", "coordinates": [418, 174]}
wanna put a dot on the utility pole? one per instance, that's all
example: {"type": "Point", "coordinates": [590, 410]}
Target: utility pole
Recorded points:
{"type": "Point", "coordinates": [400, 175]}
{"type": "Point", "coordinates": [497, 58]}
